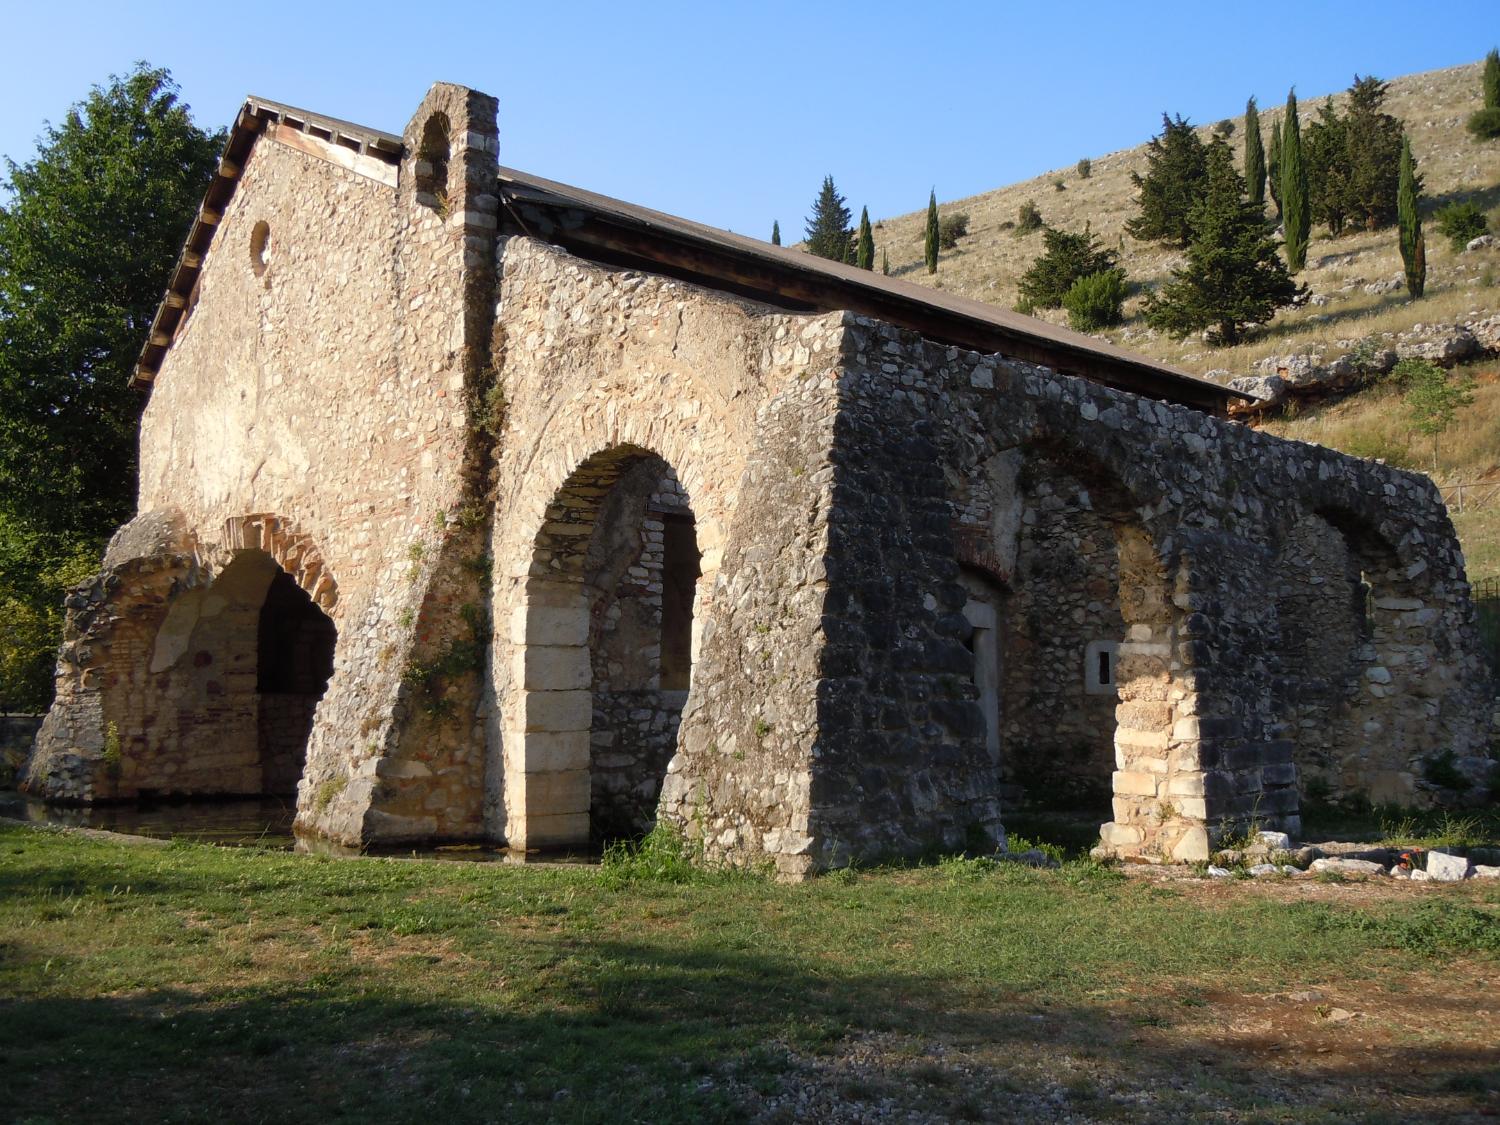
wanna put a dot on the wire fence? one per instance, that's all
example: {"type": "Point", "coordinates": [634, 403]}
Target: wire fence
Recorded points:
{"type": "Point", "coordinates": [1487, 603]}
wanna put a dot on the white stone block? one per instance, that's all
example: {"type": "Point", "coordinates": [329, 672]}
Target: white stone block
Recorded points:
{"type": "Point", "coordinates": [553, 667]}
{"type": "Point", "coordinates": [1135, 783]}
{"type": "Point", "coordinates": [549, 625]}
{"type": "Point", "coordinates": [550, 751]}
{"type": "Point", "coordinates": [558, 710]}
{"type": "Point", "coordinates": [1445, 868]}
{"type": "Point", "coordinates": [1193, 847]}
{"type": "Point", "coordinates": [1276, 841]}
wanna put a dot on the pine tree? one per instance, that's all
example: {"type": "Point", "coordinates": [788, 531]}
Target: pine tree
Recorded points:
{"type": "Point", "coordinates": [1374, 154]}
{"type": "Point", "coordinates": [1255, 155]}
{"type": "Point", "coordinates": [1066, 259]}
{"type": "Point", "coordinates": [933, 232]}
{"type": "Point", "coordinates": [1273, 167]}
{"type": "Point", "coordinates": [1295, 208]}
{"type": "Point", "coordinates": [828, 233]}
{"type": "Point", "coordinates": [1325, 151]}
{"type": "Point", "coordinates": [1233, 277]}
{"type": "Point", "coordinates": [1173, 184]}
{"type": "Point", "coordinates": [1413, 245]}
{"type": "Point", "coordinates": [864, 255]}
{"type": "Point", "coordinates": [775, 232]}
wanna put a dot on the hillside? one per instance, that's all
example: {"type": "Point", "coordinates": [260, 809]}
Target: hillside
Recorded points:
{"type": "Point", "coordinates": [989, 261]}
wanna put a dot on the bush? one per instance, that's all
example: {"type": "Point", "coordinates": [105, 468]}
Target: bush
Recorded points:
{"type": "Point", "coordinates": [1028, 219]}
{"type": "Point", "coordinates": [1461, 222]}
{"type": "Point", "coordinates": [1224, 128]}
{"type": "Point", "coordinates": [1485, 124]}
{"type": "Point", "coordinates": [1059, 185]}
{"type": "Point", "coordinates": [951, 228]}
{"type": "Point", "coordinates": [1094, 302]}
{"type": "Point", "coordinates": [1085, 168]}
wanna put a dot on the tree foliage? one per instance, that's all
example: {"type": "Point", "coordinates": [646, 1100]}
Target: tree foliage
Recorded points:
{"type": "Point", "coordinates": [88, 235]}
{"type": "Point", "coordinates": [1461, 223]}
{"type": "Point", "coordinates": [1432, 399]}
{"type": "Point", "coordinates": [1028, 219]}
{"type": "Point", "coordinates": [1373, 155]}
{"type": "Point", "coordinates": [93, 225]}
{"type": "Point", "coordinates": [951, 228]}
{"type": "Point", "coordinates": [1172, 185]}
{"type": "Point", "coordinates": [1065, 258]}
{"type": "Point", "coordinates": [1273, 167]}
{"type": "Point", "coordinates": [1413, 245]}
{"type": "Point", "coordinates": [1233, 277]}
{"type": "Point", "coordinates": [1096, 301]}
{"type": "Point", "coordinates": [933, 233]}
{"type": "Point", "coordinates": [1484, 123]}
{"type": "Point", "coordinates": [775, 232]}
{"type": "Point", "coordinates": [864, 251]}
{"type": "Point", "coordinates": [1255, 155]}
{"type": "Point", "coordinates": [1296, 209]}
{"type": "Point", "coordinates": [828, 234]}
{"type": "Point", "coordinates": [1326, 148]}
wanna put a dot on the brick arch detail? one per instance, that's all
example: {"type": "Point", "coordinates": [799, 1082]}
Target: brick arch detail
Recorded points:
{"type": "Point", "coordinates": [293, 550]}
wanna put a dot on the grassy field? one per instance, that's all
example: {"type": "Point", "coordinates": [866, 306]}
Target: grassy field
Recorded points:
{"type": "Point", "coordinates": [179, 983]}
{"type": "Point", "coordinates": [988, 263]}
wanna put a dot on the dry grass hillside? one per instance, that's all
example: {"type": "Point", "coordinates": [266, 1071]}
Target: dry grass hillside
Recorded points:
{"type": "Point", "coordinates": [989, 261]}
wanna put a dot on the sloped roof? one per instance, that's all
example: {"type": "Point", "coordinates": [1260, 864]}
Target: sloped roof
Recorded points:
{"type": "Point", "coordinates": [615, 232]}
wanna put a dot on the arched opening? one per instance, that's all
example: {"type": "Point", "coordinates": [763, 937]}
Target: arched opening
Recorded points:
{"type": "Point", "coordinates": [238, 668]}
{"type": "Point", "coordinates": [607, 659]}
{"type": "Point", "coordinates": [1357, 644]}
{"type": "Point", "coordinates": [294, 660]}
{"type": "Point", "coordinates": [431, 166]}
{"type": "Point", "coordinates": [1059, 683]}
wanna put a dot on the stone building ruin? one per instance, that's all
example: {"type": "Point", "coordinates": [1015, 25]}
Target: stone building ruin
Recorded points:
{"type": "Point", "coordinates": [479, 507]}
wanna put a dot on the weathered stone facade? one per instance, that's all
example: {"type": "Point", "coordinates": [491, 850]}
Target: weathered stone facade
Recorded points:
{"type": "Point", "coordinates": [474, 537]}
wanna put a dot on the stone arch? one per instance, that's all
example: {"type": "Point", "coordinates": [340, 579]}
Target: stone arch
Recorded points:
{"type": "Point", "coordinates": [603, 642]}
{"type": "Point", "coordinates": [291, 550]}
{"type": "Point", "coordinates": [434, 155]}
{"type": "Point", "coordinates": [1358, 644]}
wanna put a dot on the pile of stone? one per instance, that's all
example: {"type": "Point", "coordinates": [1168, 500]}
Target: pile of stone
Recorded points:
{"type": "Point", "coordinates": [1310, 375]}
{"type": "Point", "coordinates": [1432, 866]}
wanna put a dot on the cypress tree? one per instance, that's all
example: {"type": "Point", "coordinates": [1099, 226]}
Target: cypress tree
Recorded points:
{"type": "Point", "coordinates": [1492, 79]}
{"type": "Point", "coordinates": [775, 232]}
{"type": "Point", "coordinates": [1255, 156]}
{"type": "Point", "coordinates": [1233, 277]}
{"type": "Point", "coordinates": [1273, 167]}
{"type": "Point", "coordinates": [864, 256]}
{"type": "Point", "coordinates": [1413, 245]}
{"type": "Point", "coordinates": [1172, 185]}
{"type": "Point", "coordinates": [1325, 151]}
{"type": "Point", "coordinates": [931, 247]}
{"type": "Point", "coordinates": [828, 233]}
{"type": "Point", "coordinates": [1295, 208]}
{"type": "Point", "coordinates": [885, 262]}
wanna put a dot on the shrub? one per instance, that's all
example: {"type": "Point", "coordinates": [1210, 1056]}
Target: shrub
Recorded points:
{"type": "Point", "coordinates": [1484, 125]}
{"type": "Point", "coordinates": [951, 228]}
{"type": "Point", "coordinates": [1028, 219]}
{"type": "Point", "coordinates": [1085, 168]}
{"type": "Point", "coordinates": [1093, 302]}
{"type": "Point", "coordinates": [1059, 185]}
{"type": "Point", "coordinates": [1461, 222]}
{"type": "Point", "coordinates": [1224, 128]}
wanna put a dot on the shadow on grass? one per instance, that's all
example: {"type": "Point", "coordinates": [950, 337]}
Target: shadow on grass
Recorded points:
{"type": "Point", "coordinates": [645, 1032]}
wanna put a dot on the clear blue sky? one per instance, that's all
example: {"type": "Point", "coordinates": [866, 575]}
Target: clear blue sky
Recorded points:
{"type": "Point", "coordinates": [732, 113]}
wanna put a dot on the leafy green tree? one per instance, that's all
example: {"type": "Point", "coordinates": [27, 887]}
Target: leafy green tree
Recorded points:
{"type": "Point", "coordinates": [1373, 154]}
{"type": "Point", "coordinates": [1296, 209]}
{"type": "Point", "coordinates": [1413, 245]}
{"type": "Point", "coordinates": [89, 230]}
{"type": "Point", "coordinates": [1255, 155]}
{"type": "Point", "coordinates": [1172, 185]}
{"type": "Point", "coordinates": [87, 240]}
{"type": "Point", "coordinates": [933, 233]}
{"type": "Point", "coordinates": [1096, 301]}
{"type": "Point", "coordinates": [1233, 277]}
{"type": "Point", "coordinates": [1273, 167]}
{"type": "Point", "coordinates": [1326, 149]}
{"type": "Point", "coordinates": [1484, 123]}
{"type": "Point", "coordinates": [828, 234]}
{"type": "Point", "coordinates": [1432, 399]}
{"type": "Point", "coordinates": [864, 254]}
{"type": "Point", "coordinates": [1461, 223]}
{"type": "Point", "coordinates": [1064, 260]}
{"type": "Point", "coordinates": [775, 232]}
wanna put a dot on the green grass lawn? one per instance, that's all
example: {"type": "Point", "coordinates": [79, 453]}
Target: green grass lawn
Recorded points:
{"type": "Point", "coordinates": [187, 983]}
